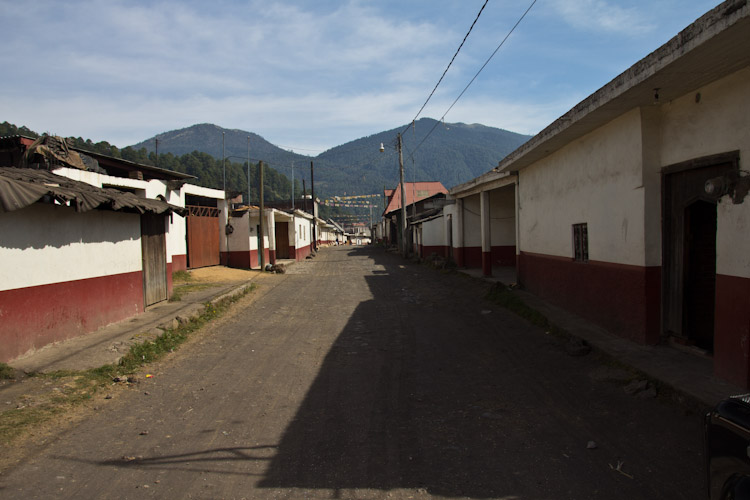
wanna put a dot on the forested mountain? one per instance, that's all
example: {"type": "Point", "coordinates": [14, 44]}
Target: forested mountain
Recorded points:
{"type": "Point", "coordinates": [451, 153]}
{"type": "Point", "coordinates": [208, 170]}
{"type": "Point", "coordinates": [207, 138]}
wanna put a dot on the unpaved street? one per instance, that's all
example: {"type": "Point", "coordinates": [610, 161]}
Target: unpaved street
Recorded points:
{"type": "Point", "coordinates": [359, 375]}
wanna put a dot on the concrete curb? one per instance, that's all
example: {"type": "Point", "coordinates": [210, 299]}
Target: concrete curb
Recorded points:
{"type": "Point", "coordinates": [109, 344]}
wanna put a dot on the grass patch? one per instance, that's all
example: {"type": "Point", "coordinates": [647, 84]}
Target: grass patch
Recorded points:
{"type": "Point", "coordinates": [71, 388]}
{"type": "Point", "coordinates": [180, 291]}
{"type": "Point", "coordinates": [181, 277]}
{"type": "Point", "coordinates": [6, 372]}
{"type": "Point", "coordinates": [502, 296]}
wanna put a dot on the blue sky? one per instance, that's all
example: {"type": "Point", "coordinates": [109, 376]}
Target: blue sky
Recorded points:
{"type": "Point", "coordinates": [310, 75]}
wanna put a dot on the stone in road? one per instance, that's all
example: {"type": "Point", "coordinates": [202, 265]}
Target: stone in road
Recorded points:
{"type": "Point", "coordinates": [359, 375]}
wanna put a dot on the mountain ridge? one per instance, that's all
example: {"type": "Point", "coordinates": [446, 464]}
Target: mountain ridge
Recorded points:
{"type": "Point", "coordinates": [451, 153]}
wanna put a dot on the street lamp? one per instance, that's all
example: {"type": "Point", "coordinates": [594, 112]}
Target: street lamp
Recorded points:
{"type": "Point", "coordinates": [403, 197]}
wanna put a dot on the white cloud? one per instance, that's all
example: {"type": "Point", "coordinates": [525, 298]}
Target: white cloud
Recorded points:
{"type": "Point", "coordinates": [600, 15]}
{"type": "Point", "coordinates": [304, 74]}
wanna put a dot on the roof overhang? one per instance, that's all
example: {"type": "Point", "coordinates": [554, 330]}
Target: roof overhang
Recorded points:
{"type": "Point", "coordinates": [714, 46]}
{"type": "Point", "coordinates": [485, 182]}
{"type": "Point", "coordinates": [303, 214]}
{"type": "Point", "coordinates": [149, 172]}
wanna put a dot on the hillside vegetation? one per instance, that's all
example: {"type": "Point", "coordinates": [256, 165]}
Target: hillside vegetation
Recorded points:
{"type": "Point", "coordinates": [451, 153]}
{"type": "Point", "coordinates": [207, 169]}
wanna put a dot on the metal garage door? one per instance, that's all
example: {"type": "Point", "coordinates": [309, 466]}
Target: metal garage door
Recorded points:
{"type": "Point", "coordinates": [202, 236]}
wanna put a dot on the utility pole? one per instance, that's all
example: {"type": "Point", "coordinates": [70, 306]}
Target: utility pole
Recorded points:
{"type": "Point", "coordinates": [414, 189]}
{"type": "Point", "coordinates": [261, 245]}
{"type": "Point", "coordinates": [248, 171]}
{"type": "Point", "coordinates": [304, 195]}
{"type": "Point", "coordinates": [226, 201]}
{"type": "Point", "coordinates": [312, 192]}
{"type": "Point", "coordinates": [403, 198]}
{"type": "Point", "coordinates": [292, 186]}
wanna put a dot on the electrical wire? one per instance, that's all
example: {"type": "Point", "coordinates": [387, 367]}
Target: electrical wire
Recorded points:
{"type": "Point", "coordinates": [449, 65]}
{"type": "Point", "coordinates": [475, 76]}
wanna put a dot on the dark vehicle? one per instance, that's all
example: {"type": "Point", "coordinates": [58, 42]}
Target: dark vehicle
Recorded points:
{"type": "Point", "coordinates": [727, 442]}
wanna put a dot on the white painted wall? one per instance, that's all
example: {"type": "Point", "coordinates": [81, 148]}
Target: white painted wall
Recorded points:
{"type": "Point", "coordinates": [176, 229]}
{"type": "Point", "coordinates": [44, 244]}
{"type": "Point", "coordinates": [239, 240]}
{"type": "Point", "coordinates": [254, 221]}
{"type": "Point", "coordinates": [503, 216]}
{"type": "Point", "coordinates": [302, 237]}
{"type": "Point", "coordinates": [733, 238]}
{"type": "Point", "coordinates": [472, 221]}
{"type": "Point", "coordinates": [433, 233]}
{"type": "Point", "coordinates": [597, 180]}
{"type": "Point", "coordinates": [718, 123]}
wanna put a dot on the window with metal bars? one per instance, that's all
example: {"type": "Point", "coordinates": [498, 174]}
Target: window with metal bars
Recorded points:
{"type": "Point", "coordinates": [581, 242]}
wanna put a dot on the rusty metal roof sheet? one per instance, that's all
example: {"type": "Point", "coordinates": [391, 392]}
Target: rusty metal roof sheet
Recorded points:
{"type": "Point", "coordinates": [21, 187]}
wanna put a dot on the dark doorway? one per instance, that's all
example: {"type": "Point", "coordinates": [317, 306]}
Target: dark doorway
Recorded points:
{"type": "Point", "coordinates": [700, 274]}
{"type": "Point", "coordinates": [689, 250]}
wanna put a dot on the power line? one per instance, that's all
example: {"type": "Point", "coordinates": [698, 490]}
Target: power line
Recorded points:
{"type": "Point", "coordinates": [475, 76]}
{"type": "Point", "coordinates": [449, 65]}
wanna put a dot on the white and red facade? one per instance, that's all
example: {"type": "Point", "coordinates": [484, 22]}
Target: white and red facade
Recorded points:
{"type": "Point", "coordinates": [612, 219]}
{"type": "Point", "coordinates": [176, 236]}
{"type": "Point", "coordinates": [294, 243]}
{"type": "Point", "coordinates": [63, 274]}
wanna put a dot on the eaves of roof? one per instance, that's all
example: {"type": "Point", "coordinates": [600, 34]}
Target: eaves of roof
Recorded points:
{"type": "Point", "coordinates": [154, 172]}
{"type": "Point", "coordinates": [714, 46]}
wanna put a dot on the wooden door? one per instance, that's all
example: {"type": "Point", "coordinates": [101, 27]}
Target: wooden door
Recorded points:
{"type": "Point", "coordinates": [154, 255]}
{"type": "Point", "coordinates": [689, 252]}
{"type": "Point", "coordinates": [282, 240]}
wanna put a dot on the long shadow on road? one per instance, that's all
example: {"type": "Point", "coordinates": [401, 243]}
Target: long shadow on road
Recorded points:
{"type": "Point", "coordinates": [429, 387]}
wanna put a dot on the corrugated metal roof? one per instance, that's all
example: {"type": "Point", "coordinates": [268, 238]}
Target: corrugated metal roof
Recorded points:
{"type": "Point", "coordinates": [21, 187]}
{"type": "Point", "coordinates": [414, 191]}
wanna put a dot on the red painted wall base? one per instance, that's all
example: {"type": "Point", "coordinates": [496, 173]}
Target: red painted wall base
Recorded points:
{"type": "Point", "coordinates": [239, 260]}
{"type": "Point", "coordinates": [732, 329]}
{"type": "Point", "coordinates": [36, 316]}
{"type": "Point", "coordinates": [179, 263]}
{"type": "Point", "coordinates": [299, 254]}
{"type": "Point", "coordinates": [626, 300]}
{"type": "Point", "coordinates": [429, 250]}
{"type": "Point", "coordinates": [487, 263]}
{"type": "Point", "coordinates": [472, 257]}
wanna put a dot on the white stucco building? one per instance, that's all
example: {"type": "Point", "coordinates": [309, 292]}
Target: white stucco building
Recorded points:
{"type": "Point", "coordinates": [613, 218]}
{"type": "Point", "coordinates": [96, 243]}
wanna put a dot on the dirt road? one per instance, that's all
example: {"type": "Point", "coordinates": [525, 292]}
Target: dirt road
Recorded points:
{"type": "Point", "coordinates": [358, 375]}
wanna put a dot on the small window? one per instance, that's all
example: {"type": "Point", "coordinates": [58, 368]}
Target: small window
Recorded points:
{"type": "Point", "coordinates": [581, 242]}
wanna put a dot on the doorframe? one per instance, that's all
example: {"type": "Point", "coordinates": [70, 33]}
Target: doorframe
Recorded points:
{"type": "Point", "coordinates": [732, 158]}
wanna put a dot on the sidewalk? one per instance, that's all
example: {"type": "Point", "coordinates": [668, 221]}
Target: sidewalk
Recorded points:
{"type": "Point", "coordinates": [108, 344]}
{"type": "Point", "coordinates": [690, 374]}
